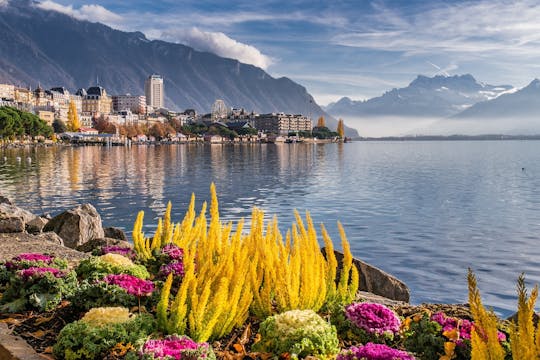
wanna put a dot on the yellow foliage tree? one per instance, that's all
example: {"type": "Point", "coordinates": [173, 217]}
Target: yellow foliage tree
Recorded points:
{"type": "Point", "coordinates": [340, 128]}
{"type": "Point", "coordinates": [321, 122]}
{"type": "Point", "coordinates": [73, 123]}
{"type": "Point", "coordinates": [228, 273]}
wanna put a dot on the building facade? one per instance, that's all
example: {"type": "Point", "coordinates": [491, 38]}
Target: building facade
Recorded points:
{"type": "Point", "coordinates": [281, 124]}
{"type": "Point", "coordinates": [95, 101]}
{"type": "Point", "coordinates": [134, 103]}
{"type": "Point", "coordinates": [154, 91]}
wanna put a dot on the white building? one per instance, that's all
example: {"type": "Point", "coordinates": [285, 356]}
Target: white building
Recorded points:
{"type": "Point", "coordinates": [153, 89]}
{"type": "Point", "coordinates": [134, 103]}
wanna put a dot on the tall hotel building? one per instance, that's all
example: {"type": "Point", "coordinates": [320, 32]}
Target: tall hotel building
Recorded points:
{"type": "Point", "coordinates": [153, 89]}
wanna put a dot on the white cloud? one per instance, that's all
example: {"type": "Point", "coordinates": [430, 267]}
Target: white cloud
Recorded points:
{"type": "Point", "coordinates": [219, 44]}
{"type": "Point", "coordinates": [4, 3]}
{"type": "Point", "coordinates": [92, 12]}
{"type": "Point", "coordinates": [473, 28]}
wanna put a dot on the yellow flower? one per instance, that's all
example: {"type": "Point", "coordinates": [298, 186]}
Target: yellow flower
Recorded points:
{"type": "Point", "coordinates": [106, 315]}
{"type": "Point", "coordinates": [406, 324]}
{"type": "Point", "coordinates": [417, 317]}
{"type": "Point", "coordinates": [451, 334]}
{"type": "Point", "coordinates": [116, 259]}
{"type": "Point", "coordinates": [449, 348]}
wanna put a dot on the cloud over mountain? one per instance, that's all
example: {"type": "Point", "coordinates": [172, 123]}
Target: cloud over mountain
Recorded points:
{"type": "Point", "coordinates": [92, 12]}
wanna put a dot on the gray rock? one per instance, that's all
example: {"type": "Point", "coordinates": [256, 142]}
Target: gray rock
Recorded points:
{"type": "Point", "coordinates": [36, 225]}
{"type": "Point", "coordinates": [98, 243]}
{"type": "Point", "coordinates": [77, 226]}
{"type": "Point", "coordinates": [13, 218]}
{"type": "Point", "coordinates": [376, 281]}
{"type": "Point", "coordinates": [50, 237]}
{"type": "Point", "coordinates": [5, 200]}
{"type": "Point", "coordinates": [11, 225]}
{"type": "Point", "coordinates": [115, 233]}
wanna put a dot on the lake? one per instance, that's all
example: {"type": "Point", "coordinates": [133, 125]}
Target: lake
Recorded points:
{"type": "Point", "coordinates": [423, 211]}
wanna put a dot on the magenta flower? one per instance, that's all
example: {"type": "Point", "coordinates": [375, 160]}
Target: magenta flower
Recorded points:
{"type": "Point", "coordinates": [176, 268]}
{"type": "Point", "coordinates": [372, 351]}
{"type": "Point", "coordinates": [373, 318]}
{"type": "Point", "coordinates": [40, 272]}
{"type": "Point", "coordinates": [33, 257]}
{"type": "Point", "coordinates": [124, 251]}
{"type": "Point", "coordinates": [174, 347]}
{"type": "Point", "coordinates": [131, 284]}
{"type": "Point", "coordinates": [172, 251]}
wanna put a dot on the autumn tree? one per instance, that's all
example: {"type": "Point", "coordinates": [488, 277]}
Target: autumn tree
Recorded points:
{"type": "Point", "coordinates": [320, 122]}
{"type": "Point", "coordinates": [103, 125]}
{"type": "Point", "coordinates": [73, 123]}
{"type": "Point", "coordinates": [340, 128]}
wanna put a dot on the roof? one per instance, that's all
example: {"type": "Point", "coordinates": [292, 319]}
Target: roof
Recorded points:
{"type": "Point", "coordinates": [61, 90]}
{"type": "Point", "coordinates": [96, 90]}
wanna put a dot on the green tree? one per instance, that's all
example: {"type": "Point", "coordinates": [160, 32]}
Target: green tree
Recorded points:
{"type": "Point", "coordinates": [16, 123]}
{"type": "Point", "coordinates": [59, 126]}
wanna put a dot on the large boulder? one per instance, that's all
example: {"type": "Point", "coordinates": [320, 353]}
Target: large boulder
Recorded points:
{"type": "Point", "coordinates": [13, 219]}
{"type": "Point", "coordinates": [77, 226]}
{"type": "Point", "coordinates": [115, 233]}
{"type": "Point", "coordinates": [376, 281]}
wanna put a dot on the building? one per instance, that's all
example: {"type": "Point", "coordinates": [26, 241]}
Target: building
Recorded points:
{"type": "Point", "coordinates": [281, 124]}
{"type": "Point", "coordinates": [134, 103]}
{"type": "Point", "coordinates": [7, 92]}
{"type": "Point", "coordinates": [95, 101]}
{"type": "Point", "coordinates": [47, 116]}
{"type": "Point", "coordinates": [154, 91]}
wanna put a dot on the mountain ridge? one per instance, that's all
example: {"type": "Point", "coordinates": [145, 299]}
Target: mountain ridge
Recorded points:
{"type": "Point", "coordinates": [54, 49]}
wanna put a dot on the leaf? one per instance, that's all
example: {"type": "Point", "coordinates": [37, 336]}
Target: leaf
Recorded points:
{"type": "Point", "coordinates": [48, 350]}
{"type": "Point", "coordinates": [239, 348]}
{"type": "Point", "coordinates": [244, 339]}
{"type": "Point", "coordinates": [11, 321]}
{"type": "Point", "coordinates": [42, 320]}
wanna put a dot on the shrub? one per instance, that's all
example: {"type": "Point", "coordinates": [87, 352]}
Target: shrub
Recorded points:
{"type": "Point", "coordinates": [176, 347]}
{"type": "Point", "coordinates": [97, 267]}
{"type": "Point", "coordinates": [91, 294]}
{"type": "Point", "coordinates": [35, 281]}
{"type": "Point", "coordinates": [373, 318]}
{"type": "Point", "coordinates": [299, 333]}
{"type": "Point", "coordinates": [372, 351]}
{"type": "Point", "coordinates": [100, 331]}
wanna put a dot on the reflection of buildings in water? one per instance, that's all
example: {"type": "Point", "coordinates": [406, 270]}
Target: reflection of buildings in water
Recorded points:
{"type": "Point", "coordinates": [155, 178]}
{"type": "Point", "coordinates": [217, 162]}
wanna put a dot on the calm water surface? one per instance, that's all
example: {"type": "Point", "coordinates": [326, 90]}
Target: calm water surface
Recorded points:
{"type": "Point", "coordinates": [423, 211]}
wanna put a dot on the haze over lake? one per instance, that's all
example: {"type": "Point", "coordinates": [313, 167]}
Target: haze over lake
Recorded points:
{"type": "Point", "coordinates": [422, 211]}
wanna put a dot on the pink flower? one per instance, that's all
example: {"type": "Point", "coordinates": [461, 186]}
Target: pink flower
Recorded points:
{"type": "Point", "coordinates": [125, 251]}
{"type": "Point", "coordinates": [39, 272]}
{"type": "Point", "coordinates": [131, 284]}
{"type": "Point", "coordinates": [176, 268]}
{"type": "Point", "coordinates": [373, 318]}
{"type": "Point", "coordinates": [372, 351]}
{"type": "Point", "coordinates": [175, 347]}
{"type": "Point", "coordinates": [172, 251]}
{"type": "Point", "coordinates": [33, 257]}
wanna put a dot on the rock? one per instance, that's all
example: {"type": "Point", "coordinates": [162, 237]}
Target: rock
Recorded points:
{"type": "Point", "coordinates": [36, 225]}
{"type": "Point", "coordinates": [51, 237]}
{"type": "Point", "coordinates": [98, 243]}
{"type": "Point", "coordinates": [13, 219]}
{"type": "Point", "coordinates": [376, 281]}
{"type": "Point", "coordinates": [77, 226]}
{"type": "Point", "coordinates": [461, 311]}
{"type": "Point", "coordinates": [365, 296]}
{"type": "Point", "coordinates": [115, 233]}
{"type": "Point", "coordinates": [5, 200]}
{"type": "Point", "coordinates": [514, 318]}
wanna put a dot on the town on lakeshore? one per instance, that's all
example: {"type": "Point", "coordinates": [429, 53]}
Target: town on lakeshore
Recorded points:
{"type": "Point", "coordinates": [92, 116]}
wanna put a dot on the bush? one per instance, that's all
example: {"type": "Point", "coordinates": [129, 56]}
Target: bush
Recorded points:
{"type": "Point", "coordinates": [91, 294]}
{"type": "Point", "coordinates": [97, 267]}
{"type": "Point", "coordinates": [176, 347]}
{"type": "Point", "coordinates": [372, 351]}
{"type": "Point", "coordinates": [100, 331]}
{"type": "Point", "coordinates": [299, 333]}
{"type": "Point", "coordinates": [35, 281]}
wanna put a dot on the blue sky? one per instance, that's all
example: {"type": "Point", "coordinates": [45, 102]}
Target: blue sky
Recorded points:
{"type": "Point", "coordinates": [341, 48]}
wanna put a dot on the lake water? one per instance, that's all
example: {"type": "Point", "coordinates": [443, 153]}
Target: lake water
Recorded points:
{"type": "Point", "coordinates": [423, 211]}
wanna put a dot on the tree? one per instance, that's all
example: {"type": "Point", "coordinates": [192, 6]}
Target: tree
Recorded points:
{"type": "Point", "coordinates": [340, 128]}
{"type": "Point", "coordinates": [59, 126]}
{"type": "Point", "coordinates": [73, 123]}
{"type": "Point", "coordinates": [157, 130]}
{"type": "Point", "coordinates": [320, 122]}
{"type": "Point", "coordinates": [104, 126]}
{"type": "Point", "coordinates": [15, 123]}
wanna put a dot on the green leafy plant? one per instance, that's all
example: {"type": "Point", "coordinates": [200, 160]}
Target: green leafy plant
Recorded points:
{"type": "Point", "coordinates": [299, 333]}
{"type": "Point", "coordinates": [97, 267]}
{"type": "Point", "coordinates": [94, 337]}
{"type": "Point", "coordinates": [91, 294]}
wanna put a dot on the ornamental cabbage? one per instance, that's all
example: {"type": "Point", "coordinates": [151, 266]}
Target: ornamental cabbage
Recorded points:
{"type": "Point", "coordinates": [373, 318]}
{"type": "Point", "coordinates": [177, 348]}
{"type": "Point", "coordinates": [372, 351]}
{"type": "Point", "coordinates": [96, 267]}
{"type": "Point", "coordinates": [300, 333]}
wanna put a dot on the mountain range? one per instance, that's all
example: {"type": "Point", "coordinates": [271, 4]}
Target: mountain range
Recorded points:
{"type": "Point", "coordinates": [436, 97]}
{"type": "Point", "coordinates": [53, 49]}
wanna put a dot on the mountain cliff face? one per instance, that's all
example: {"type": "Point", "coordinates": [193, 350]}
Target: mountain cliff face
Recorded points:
{"type": "Point", "coordinates": [435, 97]}
{"type": "Point", "coordinates": [47, 47]}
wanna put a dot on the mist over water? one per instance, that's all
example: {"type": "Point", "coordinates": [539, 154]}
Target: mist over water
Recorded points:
{"type": "Point", "coordinates": [423, 211]}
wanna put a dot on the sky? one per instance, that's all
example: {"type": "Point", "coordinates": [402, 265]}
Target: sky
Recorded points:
{"type": "Point", "coordinates": [358, 49]}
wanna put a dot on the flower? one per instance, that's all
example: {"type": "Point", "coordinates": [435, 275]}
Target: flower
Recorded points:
{"type": "Point", "coordinates": [371, 351]}
{"type": "Point", "coordinates": [172, 251]}
{"type": "Point", "coordinates": [34, 257]}
{"type": "Point", "coordinates": [174, 347]}
{"type": "Point", "coordinates": [131, 284]}
{"type": "Point", "coordinates": [106, 315]}
{"type": "Point", "coordinates": [124, 251]}
{"type": "Point", "coordinates": [116, 259]}
{"type": "Point", "coordinates": [373, 318]}
{"type": "Point", "coordinates": [175, 267]}
{"type": "Point", "coordinates": [40, 272]}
